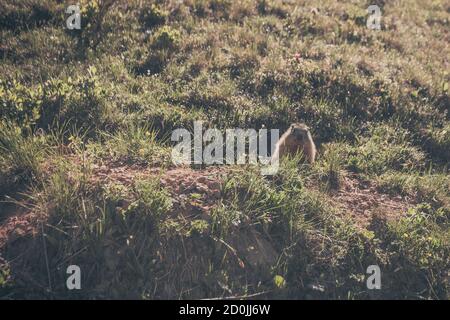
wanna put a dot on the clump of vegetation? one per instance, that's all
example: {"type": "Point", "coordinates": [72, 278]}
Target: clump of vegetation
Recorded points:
{"type": "Point", "coordinates": [21, 154]}
{"type": "Point", "coordinates": [18, 16]}
{"type": "Point", "coordinates": [135, 144]}
{"type": "Point", "coordinates": [332, 162]}
{"type": "Point", "coordinates": [437, 142]}
{"type": "Point", "coordinates": [83, 223]}
{"type": "Point", "coordinates": [152, 16]}
{"type": "Point", "coordinates": [419, 245]}
{"type": "Point", "coordinates": [428, 188]}
{"type": "Point", "coordinates": [153, 60]}
{"type": "Point", "coordinates": [385, 148]}
{"type": "Point", "coordinates": [20, 103]}
{"type": "Point", "coordinates": [81, 100]}
{"type": "Point", "coordinates": [166, 38]}
{"type": "Point", "coordinates": [92, 30]}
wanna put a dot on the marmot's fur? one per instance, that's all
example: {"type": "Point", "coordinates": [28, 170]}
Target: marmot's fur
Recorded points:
{"type": "Point", "coordinates": [296, 138]}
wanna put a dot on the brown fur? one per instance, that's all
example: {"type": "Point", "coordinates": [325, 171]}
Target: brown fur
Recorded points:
{"type": "Point", "coordinates": [296, 138]}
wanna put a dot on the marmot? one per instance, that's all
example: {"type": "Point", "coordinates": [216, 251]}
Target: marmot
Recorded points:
{"type": "Point", "coordinates": [296, 138]}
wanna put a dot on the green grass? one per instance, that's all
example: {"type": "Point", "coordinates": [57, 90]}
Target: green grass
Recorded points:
{"type": "Point", "coordinates": [134, 144]}
{"type": "Point", "coordinates": [21, 155]}
{"type": "Point", "coordinates": [113, 92]}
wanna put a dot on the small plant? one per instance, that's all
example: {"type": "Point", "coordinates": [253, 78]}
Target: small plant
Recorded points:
{"type": "Point", "coordinates": [5, 277]}
{"type": "Point", "coordinates": [438, 142]}
{"type": "Point", "coordinates": [166, 38]}
{"type": "Point", "coordinates": [154, 199]}
{"type": "Point", "coordinates": [154, 63]}
{"type": "Point", "coordinates": [331, 165]}
{"type": "Point", "coordinates": [152, 16]}
{"type": "Point", "coordinates": [90, 34]}
{"type": "Point", "coordinates": [20, 103]}
{"type": "Point", "coordinates": [80, 100]}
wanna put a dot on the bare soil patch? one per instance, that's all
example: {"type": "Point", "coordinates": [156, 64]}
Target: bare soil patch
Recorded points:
{"type": "Point", "coordinates": [360, 200]}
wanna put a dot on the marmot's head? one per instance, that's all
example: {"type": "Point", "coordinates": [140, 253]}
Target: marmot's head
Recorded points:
{"type": "Point", "coordinates": [300, 131]}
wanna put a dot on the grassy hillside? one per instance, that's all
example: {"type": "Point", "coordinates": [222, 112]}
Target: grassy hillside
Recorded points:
{"type": "Point", "coordinates": [85, 171]}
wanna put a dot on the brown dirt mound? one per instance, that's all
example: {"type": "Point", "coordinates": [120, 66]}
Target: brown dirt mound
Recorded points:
{"type": "Point", "coordinates": [16, 222]}
{"type": "Point", "coordinates": [360, 200]}
{"type": "Point", "coordinates": [195, 193]}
